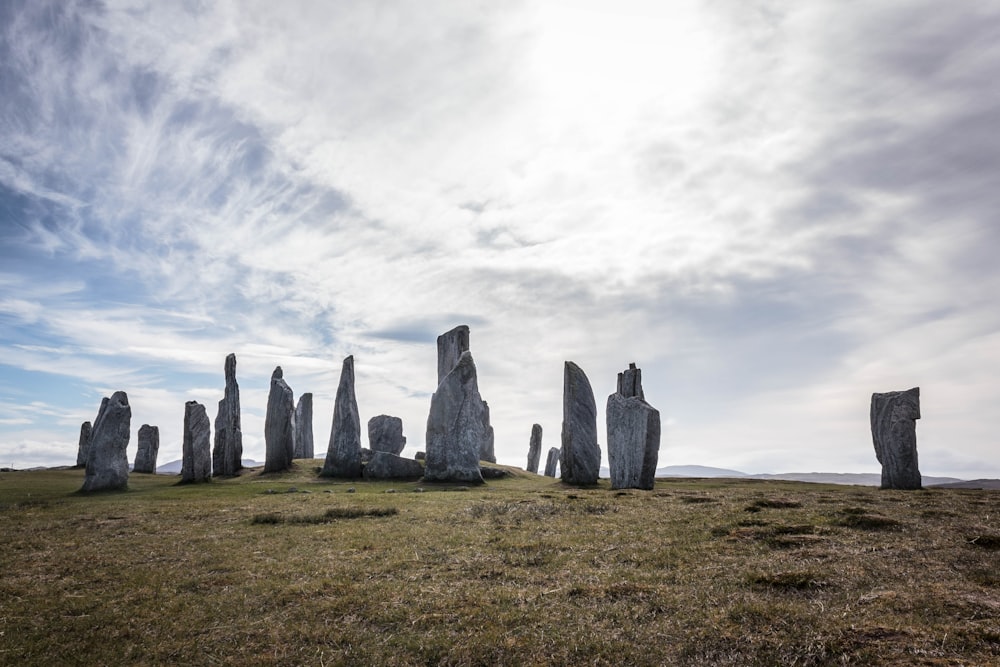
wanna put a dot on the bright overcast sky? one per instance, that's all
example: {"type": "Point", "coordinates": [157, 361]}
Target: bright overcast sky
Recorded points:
{"type": "Point", "coordinates": [775, 208]}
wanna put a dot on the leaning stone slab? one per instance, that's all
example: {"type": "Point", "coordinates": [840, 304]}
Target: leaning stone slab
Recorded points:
{"type": "Point", "coordinates": [384, 465]}
{"type": "Point", "coordinates": [385, 434]}
{"type": "Point", "coordinates": [455, 426]}
{"type": "Point", "coordinates": [894, 433]}
{"type": "Point", "coordinates": [304, 427]}
{"type": "Point", "coordinates": [633, 434]}
{"type": "Point", "coordinates": [227, 455]}
{"type": "Point", "coordinates": [196, 453]}
{"type": "Point", "coordinates": [343, 455]}
{"type": "Point", "coordinates": [83, 447]}
{"type": "Point", "coordinates": [107, 463]}
{"type": "Point", "coordinates": [279, 425]}
{"type": "Point", "coordinates": [149, 447]}
{"type": "Point", "coordinates": [534, 448]}
{"type": "Point", "coordinates": [580, 455]}
{"type": "Point", "coordinates": [551, 462]}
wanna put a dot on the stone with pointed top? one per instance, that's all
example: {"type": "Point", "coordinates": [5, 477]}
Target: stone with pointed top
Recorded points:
{"type": "Point", "coordinates": [304, 427]}
{"type": "Point", "coordinates": [343, 455]}
{"type": "Point", "coordinates": [279, 425]}
{"type": "Point", "coordinates": [580, 455]}
{"type": "Point", "coordinates": [227, 455]}
{"type": "Point", "coordinates": [83, 447]}
{"type": "Point", "coordinates": [894, 433]}
{"type": "Point", "coordinates": [149, 447]}
{"type": "Point", "coordinates": [107, 463]}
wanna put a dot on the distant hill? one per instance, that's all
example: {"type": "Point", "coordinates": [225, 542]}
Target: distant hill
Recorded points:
{"type": "Point", "coordinates": [991, 484]}
{"type": "Point", "coordinates": [860, 479]}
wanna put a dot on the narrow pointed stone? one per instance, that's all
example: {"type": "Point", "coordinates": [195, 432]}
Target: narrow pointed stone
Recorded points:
{"type": "Point", "coordinates": [279, 425]}
{"type": "Point", "coordinates": [633, 434]}
{"type": "Point", "coordinates": [894, 433]}
{"type": "Point", "coordinates": [149, 447]}
{"type": "Point", "coordinates": [455, 426]}
{"type": "Point", "coordinates": [534, 448]}
{"type": "Point", "coordinates": [83, 447]}
{"type": "Point", "coordinates": [580, 455]}
{"type": "Point", "coordinates": [227, 455]}
{"type": "Point", "coordinates": [107, 463]}
{"type": "Point", "coordinates": [304, 427]}
{"type": "Point", "coordinates": [551, 462]}
{"type": "Point", "coordinates": [196, 453]}
{"type": "Point", "coordinates": [343, 456]}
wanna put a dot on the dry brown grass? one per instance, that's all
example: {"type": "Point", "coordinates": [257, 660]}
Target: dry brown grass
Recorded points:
{"type": "Point", "coordinates": [520, 571]}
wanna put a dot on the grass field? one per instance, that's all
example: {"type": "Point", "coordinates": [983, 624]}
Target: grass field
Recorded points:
{"type": "Point", "coordinates": [288, 569]}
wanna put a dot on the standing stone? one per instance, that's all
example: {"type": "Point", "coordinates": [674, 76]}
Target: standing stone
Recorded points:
{"type": "Point", "coordinates": [227, 455]}
{"type": "Point", "coordinates": [304, 427]}
{"type": "Point", "coordinates": [84, 445]}
{"type": "Point", "coordinates": [279, 425]}
{"type": "Point", "coordinates": [385, 434]}
{"type": "Point", "coordinates": [196, 452]}
{"type": "Point", "coordinates": [343, 455]}
{"type": "Point", "coordinates": [149, 447]}
{"type": "Point", "coordinates": [451, 346]}
{"type": "Point", "coordinates": [894, 432]}
{"type": "Point", "coordinates": [384, 465]}
{"type": "Point", "coordinates": [534, 448]}
{"type": "Point", "coordinates": [580, 455]}
{"type": "Point", "coordinates": [455, 426]}
{"type": "Point", "coordinates": [551, 462]}
{"type": "Point", "coordinates": [633, 434]}
{"type": "Point", "coordinates": [107, 463]}
{"type": "Point", "coordinates": [486, 452]}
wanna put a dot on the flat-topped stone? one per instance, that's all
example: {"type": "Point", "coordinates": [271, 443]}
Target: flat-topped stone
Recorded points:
{"type": "Point", "coordinates": [149, 447]}
{"type": "Point", "coordinates": [279, 425]}
{"type": "Point", "coordinates": [385, 434]}
{"type": "Point", "coordinates": [384, 465]}
{"type": "Point", "coordinates": [633, 434]}
{"type": "Point", "coordinates": [107, 463]}
{"type": "Point", "coordinates": [304, 446]}
{"type": "Point", "coordinates": [196, 454]}
{"type": "Point", "coordinates": [894, 434]}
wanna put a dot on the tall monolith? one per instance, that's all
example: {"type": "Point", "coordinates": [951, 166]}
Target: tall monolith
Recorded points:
{"type": "Point", "coordinates": [534, 448]}
{"type": "Point", "coordinates": [580, 455]}
{"type": "Point", "coordinates": [894, 433]}
{"type": "Point", "coordinates": [486, 449]}
{"type": "Point", "coordinates": [227, 454]}
{"type": "Point", "coordinates": [343, 455]}
{"type": "Point", "coordinates": [633, 434]}
{"type": "Point", "coordinates": [279, 425]}
{"type": "Point", "coordinates": [451, 346]}
{"type": "Point", "coordinates": [83, 447]}
{"type": "Point", "coordinates": [304, 427]}
{"type": "Point", "coordinates": [385, 434]}
{"type": "Point", "coordinates": [551, 461]}
{"type": "Point", "coordinates": [196, 452]}
{"type": "Point", "coordinates": [455, 426]}
{"type": "Point", "coordinates": [149, 447]}
{"type": "Point", "coordinates": [107, 463]}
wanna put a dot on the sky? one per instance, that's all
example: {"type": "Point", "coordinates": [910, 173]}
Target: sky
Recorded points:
{"type": "Point", "coordinates": [773, 208]}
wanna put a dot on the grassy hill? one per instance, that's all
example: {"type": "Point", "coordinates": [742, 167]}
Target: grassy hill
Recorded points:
{"type": "Point", "coordinates": [288, 569]}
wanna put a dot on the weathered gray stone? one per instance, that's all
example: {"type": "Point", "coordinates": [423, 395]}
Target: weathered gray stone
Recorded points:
{"type": "Point", "coordinates": [384, 465]}
{"type": "Point", "coordinates": [304, 427]}
{"type": "Point", "coordinates": [633, 434]}
{"type": "Point", "coordinates": [486, 452]}
{"type": "Point", "coordinates": [451, 346]}
{"type": "Point", "coordinates": [455, 426]}
{"type": "Point", "coordinates": [534, 448]}
{"type": "Point", "coordinates": [343, 456]}
{"type": "Point", "coordinates": [580, 455]}
{"type": "Point", "coordinates": [279, 425]}
{"type": "Point", "coordinates": [420, 456]}
{"type": "Point", "coordinates": [385, 434]}
{"type": "Point", "coordinates": [227, 455]}
{"type": "Point", "coordinates": [196, 453]}
{"type": "Point", "coordinates": [83, 448]}
{"type": "Point", "coordinates": [551, 462]}
{"type": "Point", "coordinates": [149, 447]}
{"type": "Point", "coordinates": [107, 462]}
{"type": "Point", "coordinates": [894, 433]}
